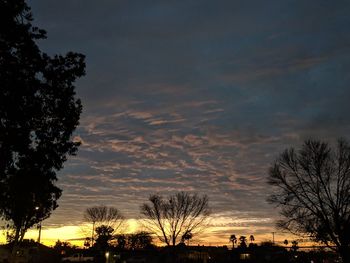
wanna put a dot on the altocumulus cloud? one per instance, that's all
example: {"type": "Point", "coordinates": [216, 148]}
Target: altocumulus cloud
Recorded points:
{"type": "Point", "coordinates": [197, 96]}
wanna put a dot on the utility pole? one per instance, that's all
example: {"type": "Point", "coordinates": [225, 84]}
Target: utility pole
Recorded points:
{"type": "Point", "coordinates": [39, 237]}
{"type": "Point", "coordinates": [92, 234]}
{"type": "Point", "coordinates": [273, 237]}
{"type": "Point", "coordinates": [39, 225]}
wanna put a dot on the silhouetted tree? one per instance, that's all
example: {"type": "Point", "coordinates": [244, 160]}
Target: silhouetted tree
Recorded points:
{"type": "Point", "coordinates": [233, 240]}
{"type": "Point", "coordinates": [295, 246]}
{"type": "Point", "coordinates": [285, 242]}
{"type": "Point", "coordinates": [38, 113]}
{"type": "Point", "coordinates": [187, 236]}
{"type": "Point", "coordinates": [62, 244]}
{"type": "Point", "coordinates": [169, 218]}
{"type": "Point", "coordinates": [103, 215]}
{"type": "Point", "coordinates": [242, 242]}
{"type": "Point", "coordinates": [63, 247]}
{"type": "Point", "coordinates": [104, 236]}
{"type": "Point", "coordinates": [87, 242]}
{"type": "Point", "coordinates": [121, 241]}
{"type": "Point", "coordinates": [267, 244]}
{"type": "Point", "coordinates": [312, 187]}
{"type": "Point", "coordinates": [251, 238]}
{"type": "Point", "coordinates": [140, 240]}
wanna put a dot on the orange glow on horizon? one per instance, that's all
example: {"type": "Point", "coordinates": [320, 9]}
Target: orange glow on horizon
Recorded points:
{"type": "Point", "coordinates": [213, 236]}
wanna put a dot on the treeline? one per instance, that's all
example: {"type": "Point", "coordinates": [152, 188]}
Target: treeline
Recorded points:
{"type": "Point", "coordinates": [173, 219]}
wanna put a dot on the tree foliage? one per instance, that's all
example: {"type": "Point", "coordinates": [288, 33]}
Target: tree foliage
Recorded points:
{"type": "Point", "coordinates": [233, 240]}
{"type": "Point", "coordinates": [104, 216]}
{"type": "Point", "coordinates": [295, 246]}
{"type": "Point", "coordinates": [140, 240]}
{"type": "Point", "coordinates": [243, 242]}
{"type": "Point", "coordinates": [312, 188]}
{"type": "Point", "coordinates": [121, 242]}
{"type": "Point", "coordinates": [104, 237]}
{"type": "Point", "coordinates": [170, 218]}
{"type": "Point", "coordinates": [251, 238]}
{"type": "Point", "coordinates": [38, 113]}
{"type": "Point", "coordinates": [134, 241]}
{"type": "Point", "coordinates": [187, 236]}
{"type": "Point", "coordinates": [64, 247]}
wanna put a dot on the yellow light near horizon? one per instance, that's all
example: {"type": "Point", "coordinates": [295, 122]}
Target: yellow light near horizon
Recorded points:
{"type": "Point", "coordinates": [49, 236]}
{"type": "Point", "coordinates": [215, 235]}
{"type": "Point", "coordinates": [73, 234]}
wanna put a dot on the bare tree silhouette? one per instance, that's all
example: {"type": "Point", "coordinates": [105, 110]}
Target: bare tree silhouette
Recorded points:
{"type": "Point", "coordinates": [312, 188]}
{"type": "Point", "coordinates": [170, 218]}
{"type": "Point", "coordinates": [109, 217]}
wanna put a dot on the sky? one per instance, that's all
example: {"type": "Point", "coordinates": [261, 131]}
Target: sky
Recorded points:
{"type": "Point", "coordinates": [196, 96]}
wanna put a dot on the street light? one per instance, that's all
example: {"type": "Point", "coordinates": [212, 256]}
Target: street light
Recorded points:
{"type": "Point", "coordinates": [39, 225]}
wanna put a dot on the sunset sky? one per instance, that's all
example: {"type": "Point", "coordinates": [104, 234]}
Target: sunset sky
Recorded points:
{"type": "Point", "coordinates": [198, 96]}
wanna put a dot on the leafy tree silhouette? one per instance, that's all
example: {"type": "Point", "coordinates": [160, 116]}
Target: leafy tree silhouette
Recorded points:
{"type": "Point", "coordinates": [62, 247]}
{"type": "Point", "coordinates": [242, 242]}
{"type": "Point", "coordinates": [295, 246]}
{"type": "Point", "coordinates": [104, 236]}
{"type": "Point", "coordinates": [186, 237]}
{"type": "Point", "coordinates": [140, 240]}
{"type": "Point", "coordinates": [87, 242]}
{"type": "Point", "coordinates": [38, 113]}
{"type": "Point", "coordinates": [121, 241]}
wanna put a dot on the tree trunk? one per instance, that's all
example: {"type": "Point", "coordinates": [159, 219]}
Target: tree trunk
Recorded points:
{"type": "Point", "coordinates": [15, 246]}
{"type": "Point", "coordinates": [93, 233]}
{"type": "Point", "coordinates": [344, 252]}
{"type": "Point", "coordinates": [21, 235]}
{"type": "Point", "coordinates": [174, 240]}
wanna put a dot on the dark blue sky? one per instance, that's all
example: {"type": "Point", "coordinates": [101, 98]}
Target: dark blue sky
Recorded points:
{"type": "Point", "coordinates": [197, 96]}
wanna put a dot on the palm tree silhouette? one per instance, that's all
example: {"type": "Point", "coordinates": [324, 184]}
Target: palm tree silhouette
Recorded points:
{"type": "Point", "coordinates": [187, 236]}
{"type": "Point", "coordinates": [252, 239]}
{"type": "Point", "coordinates": [243, 241]}
{"type": "Point", "coordinates": [233, 240]}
